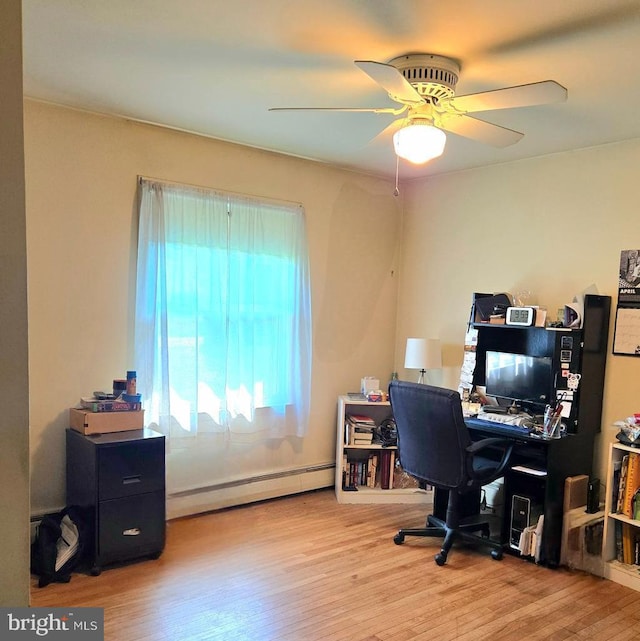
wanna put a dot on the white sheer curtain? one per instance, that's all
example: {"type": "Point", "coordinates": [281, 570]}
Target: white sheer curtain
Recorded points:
{"type": "Point", "coordinates": [223, 312]}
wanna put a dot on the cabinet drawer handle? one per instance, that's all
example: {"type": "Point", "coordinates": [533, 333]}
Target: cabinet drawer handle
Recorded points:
{"type": "Point", "coordinates": [127, 480]}
{"type": "Point", "coordinates": [134, 531]}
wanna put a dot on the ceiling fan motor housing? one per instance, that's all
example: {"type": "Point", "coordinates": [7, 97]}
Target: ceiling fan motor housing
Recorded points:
{"type": "Point", "coordinates": [430, 75]}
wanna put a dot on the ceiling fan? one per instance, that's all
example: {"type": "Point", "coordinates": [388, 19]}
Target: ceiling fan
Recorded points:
{"type": "Point", "coordinates": [424, 86]}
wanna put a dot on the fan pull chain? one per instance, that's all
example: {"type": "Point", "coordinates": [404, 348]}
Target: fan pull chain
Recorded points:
{"type": "Point", "coordinates": [396, 191]}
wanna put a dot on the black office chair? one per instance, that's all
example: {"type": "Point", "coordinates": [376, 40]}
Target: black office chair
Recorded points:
{"type": "Point", "coordinates": [434, 446]}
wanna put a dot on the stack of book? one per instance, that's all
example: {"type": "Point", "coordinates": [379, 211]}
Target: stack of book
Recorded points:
{"type": "Point", "coordinates": [627, 541]}
{"type": "Point", "coordinates": [626, 494]}
{"type": "Point", "coordinates": [359, 429]}
{"type": "Point", "coordinates": [93, 404]}
{"type": "Point", "coordinates": [359, 472]}
{"type": "Point", "coordinates": [626, 498]}
{"type": "Point", "coordinates": [376, 470]}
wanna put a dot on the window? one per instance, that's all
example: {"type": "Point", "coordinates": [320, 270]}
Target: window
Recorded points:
{"type": "Point", "coordinates": [223, 312]}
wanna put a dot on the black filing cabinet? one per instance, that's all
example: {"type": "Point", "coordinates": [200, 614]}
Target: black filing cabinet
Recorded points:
{"type": "Point", "coordinates": [120, 479]}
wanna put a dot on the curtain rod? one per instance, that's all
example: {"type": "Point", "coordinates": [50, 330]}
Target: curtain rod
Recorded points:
{"type": "Point", "coordinates": [275, 201]}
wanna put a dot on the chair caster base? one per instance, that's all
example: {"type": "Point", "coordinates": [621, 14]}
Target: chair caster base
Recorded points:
{"type": "Point", "coordinates": [496, 555]}
{"type": "Point", "coordinates": [398, 539]}
{"type": "Point", "coordinates": [440, 558]}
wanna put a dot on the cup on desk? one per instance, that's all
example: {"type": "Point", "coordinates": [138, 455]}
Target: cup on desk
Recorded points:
{"type": "Point", "coordinates": [551, 426]}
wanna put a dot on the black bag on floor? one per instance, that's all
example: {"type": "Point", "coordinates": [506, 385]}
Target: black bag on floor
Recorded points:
{"type": "Point", "coordinates": [60, 545]}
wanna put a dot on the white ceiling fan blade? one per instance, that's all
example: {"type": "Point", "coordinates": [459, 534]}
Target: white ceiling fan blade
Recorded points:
{"type": "Point", "coordinates": [392, 81]}
{"type": "Point", "coordinates": [485, 132]}
{"type": "Point", "coordinates": [536, 93]}
{"type": "Point", "coordinates": [375, 110]}
{"type": "Point", "coordinates": [387, 133]}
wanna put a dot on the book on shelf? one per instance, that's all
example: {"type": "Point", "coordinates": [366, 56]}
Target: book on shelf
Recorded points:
{"type": "Point", "coordinates": [359, 438]}
{"type": "Point", "coordinates": [387, 466]}
{"type": "Point", "coordinates": [372, 470]}
{"type": "Point", "coordinates": [632, 483]}
{"type": "Point", "coordinates": [361, 419]}
{"type": "Point", "coordinates": [378, 470]}
{"type": "Point", "coordinates": [345, 468]}
{"type": "Point", "coordinates": [615, 484]}
{"type": "Point", "coordinates": [635, 506]}
{"type": "Point", "coordinates": [358, 429]}
{"type": "Point", "coordinates": [629, 542]}
{"type": "Point", "coordinates": [358, 472]}
{"type": "Point", "coordinates": [94, 405]}
{"type": "Point", "coordinates": [623, 481]}
{"type": "Point", "coordinates": [362, 438]}
{"type": "Point", "coordinates": [618, 540]}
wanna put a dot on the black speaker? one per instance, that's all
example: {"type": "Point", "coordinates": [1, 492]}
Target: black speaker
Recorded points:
{"type": "Point", "coordinates": [593, 496]}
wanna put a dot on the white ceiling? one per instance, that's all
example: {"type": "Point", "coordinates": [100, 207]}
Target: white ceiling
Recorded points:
{"type": "Point", "coordinates": [215, 67]}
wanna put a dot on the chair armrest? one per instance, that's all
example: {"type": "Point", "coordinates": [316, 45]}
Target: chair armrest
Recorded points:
{"type": "Point", "coordinates": [478, 446]}
{"type": "Point", "coordinates": [506, 445]}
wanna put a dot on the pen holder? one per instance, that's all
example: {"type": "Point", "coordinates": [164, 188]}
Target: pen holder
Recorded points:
{"type": "Point", "coordinates": [551, 426]}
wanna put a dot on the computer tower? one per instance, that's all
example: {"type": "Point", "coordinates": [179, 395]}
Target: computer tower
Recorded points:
{"type": "Point", "coordinates": [524, 513]}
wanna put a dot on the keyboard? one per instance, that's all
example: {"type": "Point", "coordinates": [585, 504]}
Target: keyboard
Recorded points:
{"type": "Point", "coordinates": [517, 420]}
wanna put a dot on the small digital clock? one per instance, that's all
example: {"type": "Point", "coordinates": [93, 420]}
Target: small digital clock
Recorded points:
{"type": "Point", "coordinates": [520, 316]}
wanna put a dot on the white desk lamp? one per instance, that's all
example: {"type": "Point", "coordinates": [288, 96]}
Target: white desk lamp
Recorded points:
{"type": "Point", "coordinates": [423, 354]}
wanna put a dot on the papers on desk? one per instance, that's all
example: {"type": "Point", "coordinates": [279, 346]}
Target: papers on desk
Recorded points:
{"type": "Point", "coordinates": [531, 540]}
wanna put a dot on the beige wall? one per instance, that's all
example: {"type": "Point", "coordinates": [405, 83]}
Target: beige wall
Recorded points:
{"type": "Point", "coordinates": [14, 375]}
{"type": "Point", "coordinates": [81, 231]}
{"type": "Point", "coordinates": [551, 225]}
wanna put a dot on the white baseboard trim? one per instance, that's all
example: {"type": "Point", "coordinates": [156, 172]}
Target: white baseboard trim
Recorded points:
{"type": "Point", "coordinates": [196, 501]}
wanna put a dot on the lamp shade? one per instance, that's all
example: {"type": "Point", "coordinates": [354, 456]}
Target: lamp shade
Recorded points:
{"type": "Point", "coordinates": [423, 354]}
{"type": "Point", "coordinates": [419, 142]}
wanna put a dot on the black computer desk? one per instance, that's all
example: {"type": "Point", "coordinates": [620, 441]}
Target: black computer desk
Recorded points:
{"type": "Point", "coordinates": [556, 459]}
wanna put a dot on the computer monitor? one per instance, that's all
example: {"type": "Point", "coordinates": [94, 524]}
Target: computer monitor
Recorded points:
{"type": "Point", "coordinates": [527, 380]}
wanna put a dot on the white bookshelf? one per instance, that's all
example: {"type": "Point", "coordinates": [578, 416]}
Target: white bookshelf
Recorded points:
{"type": "Point", "coordinates": [378, 411]}
{"type": "Point", "coordinates": [623, 573]}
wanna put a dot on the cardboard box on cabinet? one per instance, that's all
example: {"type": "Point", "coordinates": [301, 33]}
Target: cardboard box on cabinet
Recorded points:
{"type": "Point", "coordinates": [87, 422]}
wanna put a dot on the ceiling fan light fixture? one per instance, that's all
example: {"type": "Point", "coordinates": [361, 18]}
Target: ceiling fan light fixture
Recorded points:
{"type": "Point", "coordinates": [419, 142]}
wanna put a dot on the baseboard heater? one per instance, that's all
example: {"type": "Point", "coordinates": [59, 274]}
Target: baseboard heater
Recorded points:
{"type": "Point", "coordinates": [249, 489]}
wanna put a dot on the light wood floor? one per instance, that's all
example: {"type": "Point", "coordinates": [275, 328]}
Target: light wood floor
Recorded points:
{"type": "Point", "coordinates": [304, 568]}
